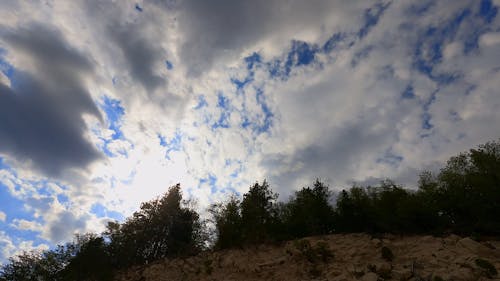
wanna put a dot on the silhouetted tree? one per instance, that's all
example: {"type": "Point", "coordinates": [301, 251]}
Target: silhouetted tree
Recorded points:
{"type": "Point", "coordinates": [257, 214]}
{"type": "Point", "coordinates": [466, 192]}
{"type": "Point", "coordinates": [163, 227]}
{"type": "Point", "coordinates": [354, 211]}
{"type": "Point", "coordinates": [91, 262]}
{"type": "Point", "coordinates": [309, 211]}
{"type": "Point", "coordinates": [228, 223]}
{"type": "Point", "coordinates": [38, 265]}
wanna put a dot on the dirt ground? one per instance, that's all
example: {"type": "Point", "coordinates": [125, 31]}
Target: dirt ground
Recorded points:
{"type": "Point", "coordinates": [337, 257]}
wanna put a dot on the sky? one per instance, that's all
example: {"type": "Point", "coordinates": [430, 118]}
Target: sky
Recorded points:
{"type": "Point", "coordinates": [105, 104]}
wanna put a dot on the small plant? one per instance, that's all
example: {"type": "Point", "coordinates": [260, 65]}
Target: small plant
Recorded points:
{"type": "Point", "coordinates": [302, 245]}
{"type": "Point", "coordinates": [475, 236]}
{"type": "Point", "coordinates": [320, 251]}
{"type": "Point", "coordinates": [387, 254]}
{"type": "Point", "coordinates": [488, 268]}
{"type": "Point", "coordinates": [323, 251]}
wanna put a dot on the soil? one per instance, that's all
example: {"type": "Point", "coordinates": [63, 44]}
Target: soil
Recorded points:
{"type": "Point", "coordinates": [337, 257]}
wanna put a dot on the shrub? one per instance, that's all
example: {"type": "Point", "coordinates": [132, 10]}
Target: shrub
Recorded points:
{"type": "Point", "coordinates": [320, 251]}
{"type": "Point", "coordinates": [387, 254]}
{"type": "Point", "coordinates": [488, 268]}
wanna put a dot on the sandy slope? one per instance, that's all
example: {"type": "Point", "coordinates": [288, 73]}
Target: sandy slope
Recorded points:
{"type": "Point", "coordinates": [355, 257]}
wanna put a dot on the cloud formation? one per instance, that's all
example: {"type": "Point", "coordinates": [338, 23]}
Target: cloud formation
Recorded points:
{"type": "Point", "coordinates": [41, 110]}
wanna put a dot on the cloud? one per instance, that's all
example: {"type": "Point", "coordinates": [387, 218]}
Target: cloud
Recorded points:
{"type": "Point", "coordinates": [41, 111]}
{"type": "Point", "coordinates": [64, 225]}
{"type": "Point", "coordinates": [23, 224]}
{"type": "Point", "coordinates": [6, 245]}
{"type": "Point", "coordinates": [10, 248]}
{"type": "Point", "coordinates": [3, 216]}
{"type": "Point", "coordinates": [219, 31]}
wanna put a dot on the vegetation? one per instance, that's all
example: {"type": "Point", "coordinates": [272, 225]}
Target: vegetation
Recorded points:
{"type": "Point", "coordinates": [489, 269]}
{"type": "Point", "coordinates": [313, 253]}
{"type": "Point", "coordinates": [462, 198]}
{"type": "Point", "coordinates": [386, 253]}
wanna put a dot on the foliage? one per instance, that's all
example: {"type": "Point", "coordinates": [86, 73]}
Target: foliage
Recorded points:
{"type": "Point", "coordinates": [353, 211]}
{"type": "Point", "coordinates": [488, 267]}
{"type": "Point", "coordinates": [227, 220]}
{"type": "Point", "coordinates": [92, 261]}
{"type": "Point", "coordinates": [162, 227]}
{"type": "Point", "coordinates": [257, 214]}
{"type": "Point", "coordinates": [313, 254]}
{"type": "Point", "coordinates": [40, 265]}
{"type": "Point", "coordinates": [466, 192]}
{"type": "Point", "coordinates": [386, 253]}
{"type": "Point", "coordinates": [309, 212]}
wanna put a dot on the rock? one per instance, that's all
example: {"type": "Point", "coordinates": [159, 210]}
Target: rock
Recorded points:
{"type": "Point", "coordinates": [383, 268]}
{"type": "Point", "coordinates": [356, 271]}
{"type": "Point", "coordinates": [472, 245]}
{"type": "Point", "coordinates": [403, 274]}
{"type": "Point", "coordinates": [452, 239]}
{"type": "Point", "coordinates": [376, 242]}
{"type": "Point", "coordinates": [462, 274]}
{"type": "Point", "coordinates": [370, 276]}
{"type": "Point", "coordinates": [337, 276]}
{"type": "Point", "coordinates": [427, 239]}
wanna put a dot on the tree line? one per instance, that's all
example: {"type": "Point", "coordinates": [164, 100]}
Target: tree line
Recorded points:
{"type": "Point", "coordinates": [463, 198]}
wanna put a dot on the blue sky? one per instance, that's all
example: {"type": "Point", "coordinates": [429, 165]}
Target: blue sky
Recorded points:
{"type": "Point", "coordinates": [105, 104]}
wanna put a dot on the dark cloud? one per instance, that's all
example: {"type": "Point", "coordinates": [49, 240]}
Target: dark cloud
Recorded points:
{"type": "Point", "coordinates": [217, 29]}
{"type": "Point", "coordinates": [331, 157]}
{"type": "Point", "coordinates": [134, 43]}
{"type": "Point", "coordinates": [65, 226]}
{"type": "Point", "coordinates": [140, 54]}
{"type": "Point", "coordinates": [41, 112]}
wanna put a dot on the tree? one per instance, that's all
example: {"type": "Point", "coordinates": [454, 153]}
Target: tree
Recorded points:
{"type": "Point", "coordinates": [228, 223]}
{"type": "Point", "coordinates": [469, 190]}
{"type": "Point", "coordinates": [309, 211]}
{"type": "Point", "coordinates": [257, 214]}
{"type": "Point", "coordinates": [92, 261]}
{"type": "Point", "coordinates": [163, 227]}
{"type": "Point", "coordinates": [38, 265]}
{"type": "Point", "coordinates": [23, 267]}
{"type": "Point", "coordinates": [353, 212]}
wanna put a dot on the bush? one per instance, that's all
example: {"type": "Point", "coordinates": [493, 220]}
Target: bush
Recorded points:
{"type": "Point", "coordinates": [387, 254]}
{"type": "Point", "coordinates": [314, 254]}
{"type": "Point", "coordinates": [488, 267]}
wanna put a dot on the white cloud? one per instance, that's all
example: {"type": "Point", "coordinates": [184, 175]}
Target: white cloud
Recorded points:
{"type": "Point", "coordinates": [489, 39]}
{"type": "Point", "coordinates": [7, 247]}
{"type": "Point", "coordinates": [23, 224]}
{"type": "Point", "coordinates": [3, 216]}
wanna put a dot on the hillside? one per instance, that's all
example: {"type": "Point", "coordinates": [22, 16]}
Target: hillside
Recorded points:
{"type": "Point", "coordinates": [336, 257]}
